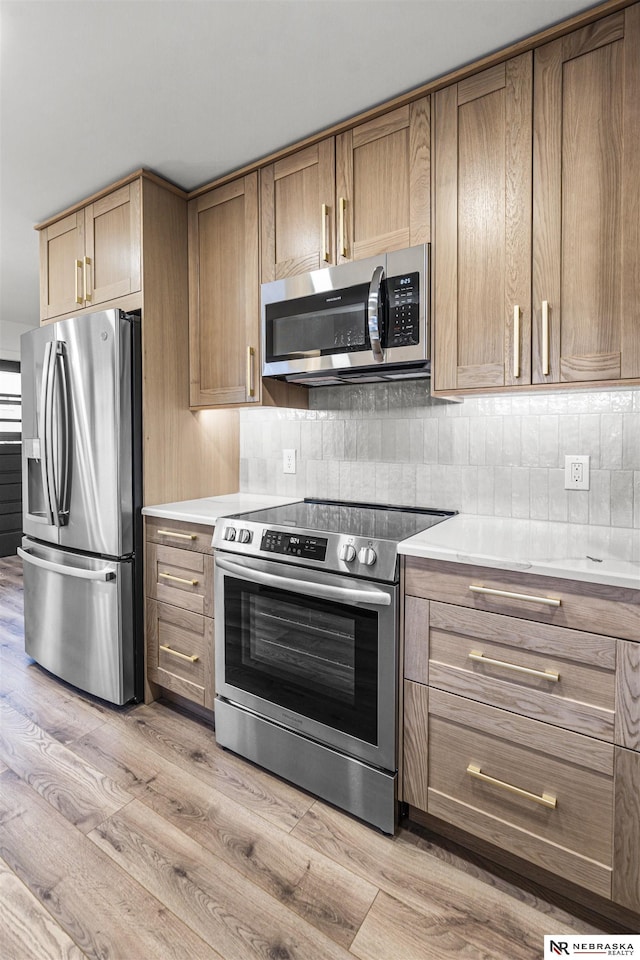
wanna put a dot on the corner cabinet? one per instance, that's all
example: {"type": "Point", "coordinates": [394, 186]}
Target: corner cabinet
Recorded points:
{"type": "Point", "coordinates": [522, 718]}
{"type": "Point", "coordinates": [364, 192]}
{"type": "Point", "coordinates": [92, 255]}
{"type": "Point", "coordinates": [224, 306]}
{"type": "Point", "coordinates": [536, 225]}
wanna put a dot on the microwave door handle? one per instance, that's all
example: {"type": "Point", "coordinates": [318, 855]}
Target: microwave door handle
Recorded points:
{"type": "Point", "coordinates": [373, 313]}
{"type": "Point", "coordinates": [325, 590]}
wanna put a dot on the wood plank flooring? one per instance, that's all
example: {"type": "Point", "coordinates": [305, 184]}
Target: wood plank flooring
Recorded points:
{"type": "Point", "coordinates": [127, 833]}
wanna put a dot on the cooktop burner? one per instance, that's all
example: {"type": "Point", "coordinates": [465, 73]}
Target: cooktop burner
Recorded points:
{"type": "Point", "coordinates": [347, 537]}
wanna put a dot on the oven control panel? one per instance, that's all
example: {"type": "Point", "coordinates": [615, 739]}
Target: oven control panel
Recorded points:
{"type": "Point", "coordinates": [294, 545]}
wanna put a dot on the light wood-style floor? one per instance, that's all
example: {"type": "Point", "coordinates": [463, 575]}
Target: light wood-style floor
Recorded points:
{"type": "Point", "coordinates": [127, 834]}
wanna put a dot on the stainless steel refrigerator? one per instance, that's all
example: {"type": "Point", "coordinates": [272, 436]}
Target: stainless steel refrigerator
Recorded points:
{"type": "Point", "coordinates": [82, 473]}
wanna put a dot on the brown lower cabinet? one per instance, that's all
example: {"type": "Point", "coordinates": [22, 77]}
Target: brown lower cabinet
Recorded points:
{"type": "Point", "coordinates": [521, 727]}
{"type": "Point", "coordinates": [179, 624]}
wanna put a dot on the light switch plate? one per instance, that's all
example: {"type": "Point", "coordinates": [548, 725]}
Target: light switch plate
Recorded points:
{"type": "Point", "coordinates": [576, 471]}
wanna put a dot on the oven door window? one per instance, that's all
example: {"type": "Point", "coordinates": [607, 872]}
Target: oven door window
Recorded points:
{"type": "Point", "coordinates": [319, 325]}
{"type": "Point", "coordinates": [315, 657]}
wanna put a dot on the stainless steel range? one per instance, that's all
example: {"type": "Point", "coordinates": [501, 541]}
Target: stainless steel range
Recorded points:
{"type": "Point", "coordinates": [307, 646]}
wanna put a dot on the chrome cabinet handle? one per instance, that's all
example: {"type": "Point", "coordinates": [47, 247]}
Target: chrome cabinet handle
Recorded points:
{"type": "Point", "coordinates": [543, 674]}
{"type": "Point", "coordinates": [174, 533]}
{"type": "Point", "coordinates": [176, 653]}
{"type": "Point", "coordinates": [78, 572]}
{"type": "Point", "coordinates": [545, 799]}
{"type": "Point", "coordinates": [516, 341]}
{"type": "Point", "coordinates": [545, 338]}
{"type": "Point", "coordinates": [373, 313]}
{"type": "Point", "coordinates": [549, 601]}
{"type": "Point", "coordinates": [169, 576]}
{"type": "Point", "coordinates": [325, 246]}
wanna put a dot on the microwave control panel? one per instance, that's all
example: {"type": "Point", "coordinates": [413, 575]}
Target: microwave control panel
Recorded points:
{"type": "Point", "coordinates": [403, 310]}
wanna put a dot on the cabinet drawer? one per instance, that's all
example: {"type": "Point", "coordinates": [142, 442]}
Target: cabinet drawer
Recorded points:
{"type": "Point", "coordinates": [180, 651]}
{"type": "Point", "coordinates": [564, 677]}
{"type": "Point", "coordinates": [544, 794]}
{"type": "Point", "coordinates": [598, 608]}
{"type": "Point", "coordinates": [180, 577]}
{"type": "Point", "coordinates": [176, 533]}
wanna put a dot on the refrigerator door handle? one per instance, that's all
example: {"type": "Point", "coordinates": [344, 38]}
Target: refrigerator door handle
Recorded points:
{"type": "Point", "coordinates": [61, 491]}
{"type": "Point", "coordinates": [46, 428]}
{"type": "Point", "coordinates": [104, 574]}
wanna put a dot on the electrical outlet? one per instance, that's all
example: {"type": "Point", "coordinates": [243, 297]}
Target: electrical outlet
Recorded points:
{"type": "Point", "coordinates": [576, 472]}
{"type": "Point", "coordinates": [288, 461]}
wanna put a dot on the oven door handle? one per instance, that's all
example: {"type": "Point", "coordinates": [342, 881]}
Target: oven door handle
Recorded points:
{"type": "Point", "coordinates": [340, 594]}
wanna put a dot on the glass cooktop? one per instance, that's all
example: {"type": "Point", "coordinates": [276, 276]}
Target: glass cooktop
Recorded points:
{"type": "Point", "coordinates": [346, 518]}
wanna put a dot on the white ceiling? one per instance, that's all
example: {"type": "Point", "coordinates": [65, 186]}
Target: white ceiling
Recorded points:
{"type": "Point", "coordinates": [93, 89]}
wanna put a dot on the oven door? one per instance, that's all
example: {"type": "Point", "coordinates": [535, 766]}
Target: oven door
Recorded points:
{"type": "Point", "coordinates": [312, 651]}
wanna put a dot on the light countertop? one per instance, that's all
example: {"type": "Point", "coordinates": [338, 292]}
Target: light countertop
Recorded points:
{"type": "Point", "coordinates": [609, 555]}
{"type": "Point", "coordinates": [209, 509]}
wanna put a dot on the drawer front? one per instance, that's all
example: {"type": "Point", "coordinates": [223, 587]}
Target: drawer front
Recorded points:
{"type": "Point", "coordinates": [564, 677]}
{"type": "Point", "coordinates": [548, 799]}
{"type": "Point", "coordinates": [180, 577]}
{"type": "Point", "coordinates": [180, 651]}
{"type": "Point", "coordinates": [176, 533]}
{"type": "Point", "coordinates": [597, 608]}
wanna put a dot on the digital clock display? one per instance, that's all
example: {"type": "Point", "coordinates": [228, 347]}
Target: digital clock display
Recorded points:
{"type": "Point", "coordinates": [293, 545]}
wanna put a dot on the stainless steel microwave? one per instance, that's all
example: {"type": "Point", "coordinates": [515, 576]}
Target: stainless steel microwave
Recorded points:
{"type": "Point", "coordinates": [362, 321]}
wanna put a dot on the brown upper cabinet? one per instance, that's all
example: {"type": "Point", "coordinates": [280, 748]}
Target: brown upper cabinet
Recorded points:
{"type": "Point", "coordinates": [92, 255]}
{"type": "Point", "coordinates": [224, 309]}
{"type": "Point", "coordinates": [383, 183]}
{"type": "Point", "coordinates": [549, 138]}
{"type": "Point", "coordinates": [362, 193]}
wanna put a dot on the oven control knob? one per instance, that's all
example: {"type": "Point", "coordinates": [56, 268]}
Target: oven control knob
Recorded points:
{"type": "Point", "coordinates": [230, 533]}
{"type": "Point", "coordinates": [348, 552]}
{"type": "Point", "coordinates": [244, 536]}
{"type": "Point", "coordinates": [368, 556]}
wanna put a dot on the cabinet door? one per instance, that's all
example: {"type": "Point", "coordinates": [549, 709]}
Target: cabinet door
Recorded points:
{"type": "Point", "coordinates": [224, 316]}
{"type": "Point", "coordinates": [626, 831]}
{"type": "Point", "coordinates": [382, 183]}
{"type": "Point", "coordinates": [482, 229]}
{"type": "Point", "coordinates": [112, 245]}
{"type": "Point", "coordinates": [587, 203]}
{"type": "Point", "coordinates": [61, 264]}
{"type": "Point", "coordinates": [297, 208]}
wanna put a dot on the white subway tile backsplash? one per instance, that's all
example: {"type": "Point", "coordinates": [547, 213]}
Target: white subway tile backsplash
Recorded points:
{"type": "Point", "coordinates": [493, 455]}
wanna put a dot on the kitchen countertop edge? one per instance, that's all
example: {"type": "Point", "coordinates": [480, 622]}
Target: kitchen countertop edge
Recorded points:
{"type": "Point", "coordinates": [208, 510]}
{"type": "Point", "coordinates": [604, 555]}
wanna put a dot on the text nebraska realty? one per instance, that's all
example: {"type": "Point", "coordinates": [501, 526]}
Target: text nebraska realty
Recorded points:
{"type": "Point", "coordinates": [560, 947]}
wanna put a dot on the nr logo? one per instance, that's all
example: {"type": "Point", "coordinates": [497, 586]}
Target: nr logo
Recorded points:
{"type": "Point", "coordinates": [559, 947]}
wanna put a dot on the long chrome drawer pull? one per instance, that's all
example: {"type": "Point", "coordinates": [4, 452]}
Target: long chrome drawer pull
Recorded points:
{"type": "Point", "coordinates": [550, 601]}
{"type": "Point", "coordinates": [543, 674]}
{"type": "Point", "coordinates": [546, 800]}
{"type": "Point", "coordinates": [169, 576]}
{"type": "Point", "coordinates": [173, 533]}
{"type": "Point", "coordinates": [176, 653]}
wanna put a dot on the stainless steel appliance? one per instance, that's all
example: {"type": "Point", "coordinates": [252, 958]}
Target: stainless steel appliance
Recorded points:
{"type": "Point", "coordinates": [362, 321]}
{"type": "Point", "coordinates": [81, 468]}
{"type": "Point", "coordinates": [307, 646]}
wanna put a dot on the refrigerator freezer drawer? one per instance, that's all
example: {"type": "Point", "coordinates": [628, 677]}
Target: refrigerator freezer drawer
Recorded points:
{"type": "Point", "coordinates": [79, 620]}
